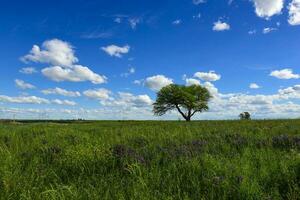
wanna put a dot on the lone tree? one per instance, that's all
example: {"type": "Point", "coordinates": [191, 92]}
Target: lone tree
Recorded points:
{"type": "Point", "coordinates": [187, 100]}
{"type": "Point", "coordinates": [245, 116]}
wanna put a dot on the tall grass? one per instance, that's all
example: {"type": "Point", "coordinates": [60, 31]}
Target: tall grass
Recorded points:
{"type": "Point", "coordinates": [150, 160]}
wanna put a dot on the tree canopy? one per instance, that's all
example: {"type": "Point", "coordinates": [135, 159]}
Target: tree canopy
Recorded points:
{"type": "Point", "coordinates": [187, 100]}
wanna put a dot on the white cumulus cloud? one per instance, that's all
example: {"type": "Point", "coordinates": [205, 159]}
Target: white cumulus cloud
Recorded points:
{"type": "Point", "coordinates": [60, 91]}
{"type": "Point", "coordinates": [157, 82]}
{"type": "Point", "coordinates": [284, 74]}
{"type": "Point", "coordinates": [191, 81]}
{"type": "Point", "coordinates": [295, 88]}
{"type": "Point", "coordinates": [254, 86]}
{"type": "Point", "coordinates": [76, 73]}
{"type": "Point", "coordinates": [211, 88]}
{"type": "Point", "coordinates": [128, 100]}
{"type": "Point", "coordinates": [23, 85]}
{"type": "Point", "coordinates": [60, 55]}
{"type": "Point", "coordinates": [64, 102]}
{"type": "Point", "coordinates": [290, 92]}
{"type": "Point", "coordinates": [100, 94]}
{"type": "Point", "coordinates": [28, 70]}
{"type": "Point", "coordinates": [24, 99]}
{"type": "Point", "coordinates": [268, 8]}
{"type": "Point", "coordinates": [294, 12]}
{"type": "Point", "coordinates": [34, 100]}
{"type": "Point", "coordinates": [117, 51]}
{"type": "Point", "coordinates": [54, 52]}
{"type": "Point", "coordinates": [221, 26]}
{"type": "Point", "coordinates": [207, 76]}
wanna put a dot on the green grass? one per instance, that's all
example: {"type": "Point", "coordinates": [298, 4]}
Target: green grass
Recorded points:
{"type": "Point", "coordinates": [150, 160]}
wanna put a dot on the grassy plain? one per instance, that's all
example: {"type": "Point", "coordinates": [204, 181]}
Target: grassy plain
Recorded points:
{"type": "Point", "coordinates": [150, 160]}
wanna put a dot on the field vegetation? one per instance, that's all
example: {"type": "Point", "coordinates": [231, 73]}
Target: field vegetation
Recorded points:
{"type": "Point", "coordinates": [150, 160]}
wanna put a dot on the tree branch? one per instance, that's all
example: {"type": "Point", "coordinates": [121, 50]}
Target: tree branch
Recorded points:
{"type": "Point", "coordinates": [193, 113]}
{"type": "Point", "coordinates": [183, 115]}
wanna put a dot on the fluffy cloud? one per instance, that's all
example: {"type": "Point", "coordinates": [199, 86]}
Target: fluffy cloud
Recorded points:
{"type": "Point", "coordinates": [103, 113]}
{"type": "Point", "coordinates": [120, 101]}
{"type": "Point", "coordinates": [76, 73]}
{"type": "Point", "coordinates": [34, 100]}
{"type": "Point", "coordinates": [28, 70]}
{"type": "Point", "coordinates": [54, 52]}
{"type": "Point", "coordinates": [284, 74]}
{"type": "Point", "coordinates": [141, 100]}
{"type": "Point", "coordinates": [211, 88]}
{"type": "Point", "coordinates": [137, 101]}
{"type": "Point", "coordinates": [290, 92]}
{"type": "Point", "coordinates": [294, 12]}
{"type": "Point", "coordinates": [60, 55]}
{"type": "Point", "coordinates": [114, 50]}
{"type": "Point", "coordinates": [207, 76]}
{"type": "Point", "coordinates": [254, 86]}
{"type": "Point", "coordinates": [23, 85]}
{"type": "Point", "coordinates": [128, 100]}
{"type": "Point", "coordinates": [244, 99]}
{"type": "Point", "coordinates": [191, 81]}
{"type": "Point", "coordinates": [268, 8]}
{"type": "Point", "coordinates": [25, 99]}
{"type": "Point", "coordinates": [60, 91]}
{"type": "Point", "coordinates": [221, 26]}
{"type": "Point", "coordinates": [157, 82]}
{"type": "Point", "coordinates": [64, 102]}
{"type": "Point", "coordinates": [100, 94]}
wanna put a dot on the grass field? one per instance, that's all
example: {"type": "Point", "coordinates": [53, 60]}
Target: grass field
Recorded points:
{"type": "Point", "coordinates": [150, 160]}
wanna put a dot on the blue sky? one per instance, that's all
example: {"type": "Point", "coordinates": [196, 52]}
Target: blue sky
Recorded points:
{"type": "Point", "coordinates": [107, 59]}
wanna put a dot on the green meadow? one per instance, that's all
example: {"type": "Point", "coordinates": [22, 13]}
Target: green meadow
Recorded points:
{"type": "Point", "coordinates": [150, 160]}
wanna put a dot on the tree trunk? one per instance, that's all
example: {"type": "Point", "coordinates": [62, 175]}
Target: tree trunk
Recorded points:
{"type": "Point", "coordinates": [189, 114]}
{"type": "Point", "coordinates": [188, 118]}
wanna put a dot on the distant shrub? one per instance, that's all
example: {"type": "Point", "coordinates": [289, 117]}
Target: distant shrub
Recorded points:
{"type": "Point", "coordinates": [245, 116]}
